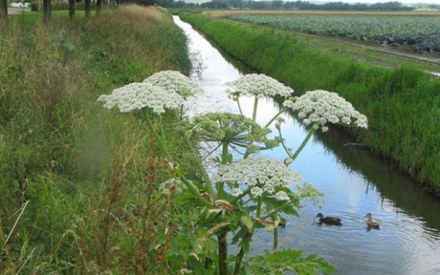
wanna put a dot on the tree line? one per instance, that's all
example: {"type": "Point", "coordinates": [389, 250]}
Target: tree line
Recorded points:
{"type": "Point", "coordinates": [289, 5]}
{"type": "Point", "coordinates": [47, 8]}
{"type": "Point", "coordinates": [302, 5]}
{"type": "Point", "coordinates": [229, 4]}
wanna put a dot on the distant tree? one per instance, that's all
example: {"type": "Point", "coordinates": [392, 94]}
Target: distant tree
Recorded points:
{"type": "Point", "coordinates": [214, 5]}
{"type": "Point", "coordinates": [71, 8]}
{"type": "Point", "coordinates": [434, 6]}
{"type": "Point", "coordinates": [47, 9]}
{"type": "Point", "coordinates": [98, 7]}
{"type": "Point", "coordinates": [277, 4]}
{"type": "Point", "coordinates": [165, 3]}
{"type": "Point", "coordinates": [87, 8]}
{"type": "Point", "coordinates": [236, 3]}
{"type": "Point", "coordinates": [3, 9]}
{"type": "Point", "coordinates": [300, 5]}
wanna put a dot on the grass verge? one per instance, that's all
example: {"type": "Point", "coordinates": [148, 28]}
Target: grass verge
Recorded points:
{"type": "Point", "coordinates": [79, 183]}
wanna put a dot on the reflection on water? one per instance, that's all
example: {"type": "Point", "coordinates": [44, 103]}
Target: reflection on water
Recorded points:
{"type": "Point", "coordinates": [354, 184]}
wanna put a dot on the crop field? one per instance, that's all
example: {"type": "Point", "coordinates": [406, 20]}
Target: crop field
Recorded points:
{"type": "Point", "coordinates": [420, 31]}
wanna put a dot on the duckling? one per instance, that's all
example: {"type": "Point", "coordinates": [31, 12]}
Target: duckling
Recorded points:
{"type": "Point", "coordinates": [372, 223]}
{"type": "Point", "coordinates": [328, 220]}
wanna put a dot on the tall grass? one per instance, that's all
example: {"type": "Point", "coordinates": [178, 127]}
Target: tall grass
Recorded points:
{"type": "Point", "coordinates": [88, 177]}
{"type": "Point", "coordinates": [401, 104]}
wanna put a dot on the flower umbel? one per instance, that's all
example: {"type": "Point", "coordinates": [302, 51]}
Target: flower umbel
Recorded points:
{"type": "Point", "coordinates": [136, 96]}
{"type": "Point", "coordinates": [233, 129]}
{"type": "Point", "coordinates": [259, 85]}
{"type": "Point", "coordinates": [320, 107]}
{"type": "Point", "coordinates": [172, 185]}
{"type": "Point", "coordinates": [262, 175]}
{"type": "Point", "coordinates": [173, 81]}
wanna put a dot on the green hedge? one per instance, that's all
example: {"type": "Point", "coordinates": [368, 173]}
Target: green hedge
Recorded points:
{"type": "Point", "coordinates": [403, 104]}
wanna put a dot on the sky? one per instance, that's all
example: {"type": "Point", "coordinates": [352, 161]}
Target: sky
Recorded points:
{"type": "Point", "coordinates": [351, 1]}
{"type": "Point", "coordinates": [382, 1]}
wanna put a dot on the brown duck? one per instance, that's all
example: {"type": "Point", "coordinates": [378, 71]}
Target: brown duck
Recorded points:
{"type": "Point", "coordinates": [328, 220]}
{"type": "Point", "coordinates": [372, 223]}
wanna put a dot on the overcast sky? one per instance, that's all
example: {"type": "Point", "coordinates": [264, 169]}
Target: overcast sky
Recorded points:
{"type": "Point", "coordinates": [349, 1]}
{"type": "Point", "coordinates": [382, 1]}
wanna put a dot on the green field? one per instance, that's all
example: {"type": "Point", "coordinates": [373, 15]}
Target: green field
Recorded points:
{"type": "Point", "coordinates": [422, 33]}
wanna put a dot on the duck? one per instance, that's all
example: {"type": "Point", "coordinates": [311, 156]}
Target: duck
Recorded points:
{"type": "Point", "coordinates": [372, 223]}
{"type": "Point", "coordinates": [328, 219]}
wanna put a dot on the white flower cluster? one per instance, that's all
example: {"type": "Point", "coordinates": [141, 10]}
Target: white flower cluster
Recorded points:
{"type": "Point", "coordinates": [320, 107]}
{"type": "Point", "coordinates": [172, 185]}
{"type": "Point", "coordinates": [259, 85]}
{"type": "Point", "coordinates": [262, 175]}
{"type": "Point", "coordinates": [135, 96]}
{"type": "Point", "coordinates": [174, 82]}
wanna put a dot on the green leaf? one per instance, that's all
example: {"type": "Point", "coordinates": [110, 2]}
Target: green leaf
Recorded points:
{"type": "Point", "coordinates": [248, 222]}
{"type": "Point", "coordinates": [280, 262]}
{"type": "Point", "coordinates": [276, 219]}
{"type": "Point", "coordinates": [198, 244]}
{"type": "Point", "coordinates": [242, 239]}
{"type": "Point", "coordinates": [272, 203]}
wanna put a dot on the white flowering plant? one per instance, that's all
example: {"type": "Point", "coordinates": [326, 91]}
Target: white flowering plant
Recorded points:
{"type": "Point", "coordinates": [258, 86]}
{"type": "Point", "coordinates": [260, 190]}
{"type": "Point", "coordinates": [245, 192]}
{"type": "Point", "coordinates": [173, 82]}
{"type": "Point", "coordinates": [141, 95]}
{"type": "Point", "coordinates": [160, 93]}
{"type": "Point", "coordinates": [233, 132]}
{"type": "Point", "coordinates": [319, 108]}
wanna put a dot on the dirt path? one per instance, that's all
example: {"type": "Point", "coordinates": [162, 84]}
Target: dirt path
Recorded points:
{"type": "Point", "coordinates": [350, 47]}
{"type": "Point", "coordinates": [386, 50]}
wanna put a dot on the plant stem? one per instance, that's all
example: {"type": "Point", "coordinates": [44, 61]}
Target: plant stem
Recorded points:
{"type": "Point", "coordinates": [303, 144]}
{"type": "Point", "coordinates": [239, 261]}
{"type": "Point", "coordinates": [23, 207]}
{"type": "Point", "coordinates": [239, 107]}
{"type": "Point", "coordinates": [258, 207]}
{"type": "Point", "coordinates": [200, 167]}
{"type": "Point", "coordinates": [173, 157]}
{"type": "Point", "coordinates": [254, 113]}
{"type": "Point", "coordinates": [199, 164]}
{"type": "Point", "coordinates": [275, 117]}
{"type": "Point", "coordinates": [277, 209]}
{"type": "Point", "coordinates": [283, 144]}
{"type": "Point", "coordinates": [222, 253]}
{"type": "Point", "coordinates": [159, 138]}
{"type": "Point", "coordinates": [241, 196]}
{"type": "Point", "coordinates": [193, 189]}
{"type": "Point", "coordinates": [222, 237]}
{"type": "Point", "coordinates": [275, 238]}
{"type": "Point", "coordinates": [225, 154]}
{"type": "Point", "coordinates": [240, 255]}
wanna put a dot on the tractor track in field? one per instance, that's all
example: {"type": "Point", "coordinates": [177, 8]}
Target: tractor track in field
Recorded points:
{"type": "Point", "coordinates": [385, 50]}
{"type": "Point", "coordinates": [408, 56]}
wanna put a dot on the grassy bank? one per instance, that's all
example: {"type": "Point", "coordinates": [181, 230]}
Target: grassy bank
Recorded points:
{"type": "Point", "coordinates": [78, 182]}
{"type": "Point", "coordinates": [401, 104]}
